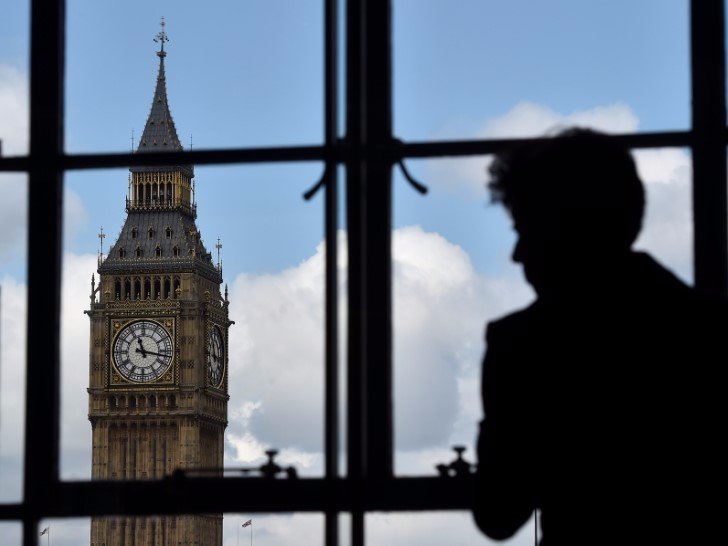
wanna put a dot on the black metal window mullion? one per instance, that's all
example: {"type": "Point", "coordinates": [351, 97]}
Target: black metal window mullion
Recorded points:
{"type": "Point", "coordinates": [369, 137]}
{"type": "Point", "coordinates": [357, 296]}
{"type": "Point", "coordinates": [331, 216]}
{"type": "Point", "coordinates": [710, 205]}
{"type": "Point", "coordinates": [45, 194]}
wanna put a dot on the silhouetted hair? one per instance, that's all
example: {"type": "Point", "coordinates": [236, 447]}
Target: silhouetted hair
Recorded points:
{"type": "Point", "coordinates": [581, 175]}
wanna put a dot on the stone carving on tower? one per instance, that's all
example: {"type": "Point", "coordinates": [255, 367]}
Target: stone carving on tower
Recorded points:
{"type": "Point", "coordinates": [158, 387]}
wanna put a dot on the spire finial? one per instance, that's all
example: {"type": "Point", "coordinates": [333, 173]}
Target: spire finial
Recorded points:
{"type": "Point", "coordinates": [102, 235]}
{"type": "Point", "coordinates": [218, 246]}
{"type": "Point", "coordinates": [160, 38]}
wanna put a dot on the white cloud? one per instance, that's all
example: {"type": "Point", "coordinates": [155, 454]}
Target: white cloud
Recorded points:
{"type": "Point", "coordinates": [277, 530]}
{"type": "Point", "coordinates": [13, 111]}
{"type": "Point", "coordinates": [528, 119]}
{"type": "Point", "coordinates": [75, 333]}
{"type": "Point", "coordinates": [13, 216]}
{"type": "Point", "coordinates": [13, 313]}
{"type": "Point", "coordinates": [440, 308]}
{"type": "Point", "coordinates": [666, 172]}
{"type": "Point", "coordinates": [435, 528]}
{"type": "Point", "coordinates": [668, 224]}
{"type": "Point", "coordinates": [468, 176]}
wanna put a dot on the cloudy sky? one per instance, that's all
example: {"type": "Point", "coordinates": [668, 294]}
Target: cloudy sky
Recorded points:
{"type": "Point", "coordinates": [249, 74]}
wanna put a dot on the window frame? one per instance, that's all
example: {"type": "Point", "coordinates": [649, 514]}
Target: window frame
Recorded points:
{"type": "Point", "coordinates": [368, 152]}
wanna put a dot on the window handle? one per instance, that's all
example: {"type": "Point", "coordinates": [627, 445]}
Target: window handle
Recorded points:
{"type": "Point", "coordinates": [316, 187]}
{"type": "Point", "coordinates": [418, 186]}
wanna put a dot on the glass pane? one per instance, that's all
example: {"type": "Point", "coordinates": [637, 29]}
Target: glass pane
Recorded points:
{"type": "Point", "coordinates": [237, 74]}
{"type": "Point", "coordinates": [14, 78]}
{"type": "Point", "coordinates": [158, 297]}
{"type": "Point", "coordinates": [453, 273]}
{"type": "Point", "coordinates": [345, 529]}
{"type": "Point", "coordinates": [13, 327]}
{"type": "Point", "coordinates": [264, 529]}
{"type": "Point", "coordinates": [64, 532]}
{"type": "Point", "coordinates": [12, 533]}
{"type": "Point", "coordinates": [667, 232]}
{"type": "Point", "coordinates": [273, 530]}
{"type": "Point", "coordinates": [435, 528]}
{"type": "Point", "coordinates": [518, 68]}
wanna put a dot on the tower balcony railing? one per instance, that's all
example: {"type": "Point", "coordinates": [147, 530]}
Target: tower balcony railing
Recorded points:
{"type": "Point", "coordinates": [156, 205]}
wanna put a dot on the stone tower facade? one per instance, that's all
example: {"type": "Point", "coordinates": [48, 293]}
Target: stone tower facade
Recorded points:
{"type": "Point", "coordinates": [158, 371]}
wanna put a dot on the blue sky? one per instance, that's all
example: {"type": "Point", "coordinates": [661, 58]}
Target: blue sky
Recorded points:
{"type": "Point", "coordinates": [250, 74]}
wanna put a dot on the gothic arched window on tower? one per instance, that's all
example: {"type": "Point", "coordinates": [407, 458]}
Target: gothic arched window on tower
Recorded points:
{"type": "Point", "coordinates": [138, 252]}
{"type": "Point", "coordinates": [134, 233]}
{"type": "Point", "coordinates": [122, 253]}
{"type": "Point", "coordinates": [158, 251]}
{"type": "Point", "coordinates": [169, 233]}
{"type": "Point", "coordinates": [151, 232]}
{"type": "Point", "coordinates": [175, 251]}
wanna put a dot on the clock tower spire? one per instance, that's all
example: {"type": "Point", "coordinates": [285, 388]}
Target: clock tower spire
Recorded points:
{"type": "Point", "coordinates": [159, 342]}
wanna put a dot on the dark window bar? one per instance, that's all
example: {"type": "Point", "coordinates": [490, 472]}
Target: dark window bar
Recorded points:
{"type": "Point", "coordinates": [368, 153]}
{"type": "Point", "coordinates": [333, 151]}
{"type": "Point", "coordinates": [45, 201]}
{"type": "Point", "coordinates": [710, 206]}
{"type": "Point", "coordinates": [331, 217]}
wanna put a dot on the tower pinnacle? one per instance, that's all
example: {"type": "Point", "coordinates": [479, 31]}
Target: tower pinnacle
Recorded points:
{"type": "Point", "coordinates": [166, 187]}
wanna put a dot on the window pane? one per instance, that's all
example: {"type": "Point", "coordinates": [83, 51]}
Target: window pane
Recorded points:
{"type": "Point", "coordinates": [273, 530]}
{"type": "Point", "coordinates": [667, 232]}
{"type": "Point", "coordinates": [13, 328]}
{"type": "Point", "coordinates": [517, 68]}
{"type": "Point", "coordinates": [64, 532]}
{"type": "Point", "coordinates": [14, 48]}
{"type": "Point", "coordinates": [435, 528]}
{"type": "Point", "coordinates": [267, 530]}
{"type": "Point", "coordinates": [453, 273]}
{"type": "Point", "coordinates": [12, 533]}
{"type": "Point", "coordinates": [272, 260]}
{"type": "Point", "coordinates": [237, 73]}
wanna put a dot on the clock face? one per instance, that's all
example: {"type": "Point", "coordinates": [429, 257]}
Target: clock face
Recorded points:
{"type": "Point", "coordinates": [143, 351]}
{"type": "Point", "coordinates": [215, 357]}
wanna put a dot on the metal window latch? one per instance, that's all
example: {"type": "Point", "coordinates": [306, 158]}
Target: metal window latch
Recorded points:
{"type": "Point", "coordinates": [268, 470]}
{"type": "Point", "coordinates": [457, 468]}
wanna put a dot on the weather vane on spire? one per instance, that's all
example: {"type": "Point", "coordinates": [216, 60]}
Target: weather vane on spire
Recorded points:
{"type": "Point", "coordinates": [161, 38]}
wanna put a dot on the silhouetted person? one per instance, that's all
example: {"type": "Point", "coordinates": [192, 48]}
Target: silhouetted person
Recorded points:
{"type": "Point", "coordinates": [601, 398]}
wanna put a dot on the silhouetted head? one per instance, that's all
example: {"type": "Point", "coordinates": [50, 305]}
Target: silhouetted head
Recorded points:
{"type": "Point", "coordinates": [576, 201]}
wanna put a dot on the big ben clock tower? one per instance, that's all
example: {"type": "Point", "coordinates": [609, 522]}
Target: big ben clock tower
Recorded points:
{"type": "Point", "coordinates": [159, 337]}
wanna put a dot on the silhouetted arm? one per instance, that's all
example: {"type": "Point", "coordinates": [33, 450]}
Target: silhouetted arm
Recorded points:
{"type": "Point", "coordinates": [504, 497]}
